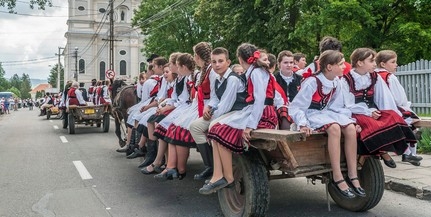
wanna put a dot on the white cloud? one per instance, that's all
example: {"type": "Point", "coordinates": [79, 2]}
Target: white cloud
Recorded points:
{"type": "Point", "coordinates": [25, 38]}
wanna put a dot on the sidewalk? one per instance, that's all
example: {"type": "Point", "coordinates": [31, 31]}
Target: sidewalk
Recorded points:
{"type": "Point", "coordinates": [412, 180]}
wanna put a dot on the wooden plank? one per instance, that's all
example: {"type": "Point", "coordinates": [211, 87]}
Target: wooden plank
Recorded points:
{"type": "Point", "coordinates": [268, 145]}
{"type": "Point", "coordinates": [278, 135]}
{"type": "Point", "coordinates": [423, 123]}
{"type": "Point", "coordinates": [288, 155]}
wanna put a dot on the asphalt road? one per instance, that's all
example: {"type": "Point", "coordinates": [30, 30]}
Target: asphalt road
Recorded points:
{"type": "Point", "coordinates": [46, 172]}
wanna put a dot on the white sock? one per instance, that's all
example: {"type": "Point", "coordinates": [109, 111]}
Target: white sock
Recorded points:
{"type": "Point", "coordinates": [413, 150]}
{"type": "Point", "coordinates": [408, 151]}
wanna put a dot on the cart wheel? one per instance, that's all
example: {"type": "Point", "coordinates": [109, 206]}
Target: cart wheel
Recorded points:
{"type": "Point", "coordinates": [372, 180]}
{"type": "Point", "coordinates": [48, 114]}
{"type": "Point", "coordinates": [65, 120]}
{"type": "Point", "coordinates": [106, 122]}
{"type": "Point", "coordinates": [71, 124]}
{"type": "Point", "coordinates": [250, 195]}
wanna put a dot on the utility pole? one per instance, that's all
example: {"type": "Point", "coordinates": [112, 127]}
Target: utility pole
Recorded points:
{"type": "Point", "coordinates": [111, 35]}
{"type": "Point", "coordinates": [76, 63]}
{"type": "Point", "coordinates": [58, 68]}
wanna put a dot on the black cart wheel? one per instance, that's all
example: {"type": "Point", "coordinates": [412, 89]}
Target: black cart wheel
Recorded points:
{"type": "Point", "coordinates": [65, 117]}
{"type": "Point", "coordinates": [71, 123]}
{"type": "Point", "coordinates": [250, 195]}
{"type": "Point", "coordinates": [106, 122]}
{"type": "Point", "coordinates": [372, 180]}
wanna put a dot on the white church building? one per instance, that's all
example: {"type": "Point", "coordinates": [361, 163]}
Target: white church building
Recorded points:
{"type": "Point", "coordinates": [86, 54]}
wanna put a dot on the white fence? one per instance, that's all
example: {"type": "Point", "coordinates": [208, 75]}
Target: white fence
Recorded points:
{"type": "Point", "coordinates": [415, 77]}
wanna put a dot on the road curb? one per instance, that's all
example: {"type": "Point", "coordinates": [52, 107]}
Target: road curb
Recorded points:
{"type": "Point", "coordinates": [408, 187]}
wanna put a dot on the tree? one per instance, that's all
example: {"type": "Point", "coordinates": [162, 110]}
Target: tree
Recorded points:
{"type": "Point", "coordinates": [15, 81]}
{"type": "Point", "coordinates": [25, 86]}
{"type": "Point", "coordinates": [41, 4]}
{"type": "Point", "coordinates": [15, 91]}
{"type": "Point", "coordinates": [169, 26]}
{"type": "Point", "coordinates": [53, 75]}
{"type": "Point", "coordinates": [4, 84]}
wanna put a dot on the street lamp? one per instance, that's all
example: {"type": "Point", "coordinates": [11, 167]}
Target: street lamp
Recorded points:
{"type": "Point", "coordinates": [58, 68]}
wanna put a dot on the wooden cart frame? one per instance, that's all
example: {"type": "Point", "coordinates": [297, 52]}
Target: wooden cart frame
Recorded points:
{"type": "Point", "coordinates": [279, 154]}
{"type": "Point", "coordinates": [97, 114]}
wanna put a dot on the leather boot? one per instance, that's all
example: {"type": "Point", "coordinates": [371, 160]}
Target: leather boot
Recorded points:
{"type": "Point", "coordinates": [123, 149]}
{"type": "Point", "coordinates": [206, 152]}
{"type": "Point", "coordinates": [151, 154]}
{"type": "Point", "coordinates": [132, 144]}
{"type": "Point", "coordinates": [138, 152]}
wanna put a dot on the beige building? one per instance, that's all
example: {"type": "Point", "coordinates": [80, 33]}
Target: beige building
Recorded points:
{"type": "Point", "coordinates": [87, 50]}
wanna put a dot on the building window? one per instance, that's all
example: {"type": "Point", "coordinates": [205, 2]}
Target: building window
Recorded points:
{"type": "Point", "coordinates": [142, 67]}
{"type": "Point", "coordinates": [123, 67]}
{"type": "Point", "coordinates": [122, 52]}
{"type": "Point", "coordinates": [123, 14]}
{"type": "Point", "coordinates": [102, 67]}
{"type": "Point", "coordinates": [81, 66]}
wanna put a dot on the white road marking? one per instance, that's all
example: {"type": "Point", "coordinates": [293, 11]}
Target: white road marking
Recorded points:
{"type": "Point", "coordinates": [50, 121]}
{"type": "Point", "coordinates": [55, 127]}
{"type": "Point", "coordinates": [83, 172]}
{"type": "Point", "coordinates": [63, 139]}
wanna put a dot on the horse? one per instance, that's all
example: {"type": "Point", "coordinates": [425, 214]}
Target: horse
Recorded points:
{"type": "Point", "coordinates": [123, 96]}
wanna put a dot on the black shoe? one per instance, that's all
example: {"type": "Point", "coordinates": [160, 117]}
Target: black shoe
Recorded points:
{"type": "Point", "coordinates": [170, 174]}
{"type": "Point", "coordinates": [359, 191]}
{"type": "Point", "coordinates": [137, 153]}
{"type": "Point", "coordinates": [411, 159]}
{"type": "Point", "coordinates": [390, 163]}
{"type": "Point", "coordinates": [205, 174]}
{"type": "Point", "coordinates": [123, 149]}
{"type": "Point", "coordinates": [181, 176]}
{"type": "Point", "coordinates": [213, 187]}
{"type": "Point", "coordinates": [345, 193]}
{"type": "Point", "coordinates": [151, 154]}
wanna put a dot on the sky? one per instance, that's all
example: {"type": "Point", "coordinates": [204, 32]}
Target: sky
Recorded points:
{"type": "Point", "coordinates": [30, 39]}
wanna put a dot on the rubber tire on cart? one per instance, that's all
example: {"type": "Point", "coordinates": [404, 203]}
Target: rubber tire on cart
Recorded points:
{"type": "Point", "coordinates": [106, 120]}
{"type": "Point", "coordinates": [65, 120]}
{"type": "Point", "coordinates": [250, 195]}
{"type": "Point", "coordinates": [48, 114]}
{"type": "Point", "coordinates": [71, 120]}
{"type": "Point", "coordinates": [372, 180]}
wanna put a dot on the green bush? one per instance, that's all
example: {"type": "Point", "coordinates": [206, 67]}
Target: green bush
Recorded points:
{"type": "Point", "coordinates": [424, 144]}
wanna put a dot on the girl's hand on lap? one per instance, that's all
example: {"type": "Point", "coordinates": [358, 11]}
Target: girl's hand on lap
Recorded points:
{"type": "Point", "coordinates": [306, 130]}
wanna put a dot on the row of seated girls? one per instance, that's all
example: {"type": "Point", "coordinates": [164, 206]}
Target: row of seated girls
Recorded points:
{"type": "Point", "coordinates": [216, 109]}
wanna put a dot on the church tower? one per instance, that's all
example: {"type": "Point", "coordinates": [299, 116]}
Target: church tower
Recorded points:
{"type": "Point", "coordinates": [86, 54]}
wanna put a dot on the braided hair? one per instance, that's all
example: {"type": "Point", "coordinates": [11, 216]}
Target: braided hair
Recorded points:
{"type": "Point", "coordinates": [203, 50]}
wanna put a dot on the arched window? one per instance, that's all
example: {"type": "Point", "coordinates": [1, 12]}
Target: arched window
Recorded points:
{"type": "Point", "coordinates": [123, 67]}
{"type": "Point", "coordinates": [102, 70]}
{"type": "Point", "coordinates": [142, 67]}
{"type": "Point", "coordinates": [81, 66]}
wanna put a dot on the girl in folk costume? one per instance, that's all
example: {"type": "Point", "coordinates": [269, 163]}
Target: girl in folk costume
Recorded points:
{"type": "Point", "coordinates": [140, 84]}
{"type": "Point", "coordinates": [149, 90]}
{"type": "Point", "coordinates": [155, 152]}
{"type": "Point", "coordinates": [97, 92]}
{"type": "Point", "coordinates": [229, 133]}
{"type": "Point", "coordinates": [105, 98]}
{"type": "Point", "coordinates": [178, 135]}
{"type": "Point", "coordinates": [386, 61]}
{"type": "Point", "coordinates": [91, 91]}
{"type": "Point", "coordinates": [289, 82]}
{"type": "Point", "coordinates": [318, 106]}
{"type": "Point", "coordinates": [179, 103]}
{"type": "Point", "coordinates": [372, 105]}
{"type": "Point", "coordinates": [74, 96]}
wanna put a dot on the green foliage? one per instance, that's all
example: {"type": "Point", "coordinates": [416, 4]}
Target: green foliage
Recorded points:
{"type": "Point", "coordinates": [39, 94]}
{"type": "Point", "coordinates": [4, 84]}
{"type": "Point", "coordinates": [41, 4]}
{"type": "Point", "coordinates": [15, 91]}
{"type": "Point", "coordinates": [53, 75]}
{"type": "Point", "coordinates": [296, 25]}
{"type": "Point", "coordinates": [169, 24]}
{"type": "Point", "coordinates": [424, 144]}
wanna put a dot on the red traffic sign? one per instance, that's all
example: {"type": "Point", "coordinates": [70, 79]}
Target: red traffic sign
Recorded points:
{"type": "Point", "coordinates": [110, 74]}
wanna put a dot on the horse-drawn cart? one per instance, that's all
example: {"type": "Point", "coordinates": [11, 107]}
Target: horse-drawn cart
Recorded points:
{"type": "Point", "coordinates": [89, 115]}
{"type": "Point", "coordinates": [279, 154]}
